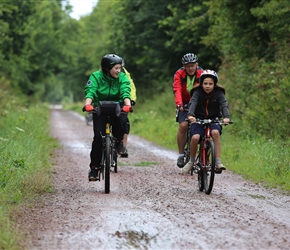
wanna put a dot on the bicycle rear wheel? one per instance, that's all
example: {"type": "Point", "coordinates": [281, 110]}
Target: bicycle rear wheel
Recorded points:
{"type": "Point", "coordinates": [209, 170]}
{"type": "Point", "coordinates": [107, 164]}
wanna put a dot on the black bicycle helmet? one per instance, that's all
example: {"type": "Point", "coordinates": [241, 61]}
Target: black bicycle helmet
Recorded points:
{"type": "Point", "coordinates": [123, 62]}
{"type": "Point", "coordinates": [208, 73]}
{"type": "Point", "coordinates": [109, 61]}
{"type": "Point", "coordinates": [189, 58]}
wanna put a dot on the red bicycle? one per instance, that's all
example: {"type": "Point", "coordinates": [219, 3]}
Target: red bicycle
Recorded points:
{"type": "Point", "coordinates": [205, 160]}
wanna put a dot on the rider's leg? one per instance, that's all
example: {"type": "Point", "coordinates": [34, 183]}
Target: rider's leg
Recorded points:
{"type": "Point", "coordinates": [96, 151]}
{"type": "Point", "coordinates": [181, 136]}
{"type": "Point", "coordinates": [215, 133]}
{"type": "Point", "coordinates": [217, 142]}
{"type": "Point", "coordinates": [118, 132]}
{"type": "Point", "coordinates": [196, 131]}
{"type": "Point", "coordinates": [193, 146]}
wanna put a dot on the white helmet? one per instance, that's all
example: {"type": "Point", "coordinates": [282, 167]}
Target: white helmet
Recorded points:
{"type": "Point", "coordinates": [189, 58]}
{"type": "Point", "coordinates": [209, 73]}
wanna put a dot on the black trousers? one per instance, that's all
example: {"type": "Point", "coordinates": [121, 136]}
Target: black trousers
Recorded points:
{"type": "Point", "coordinates": [99, 129]}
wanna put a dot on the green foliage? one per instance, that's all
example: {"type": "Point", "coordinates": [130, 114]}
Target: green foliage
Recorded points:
{"type": "Point", "coordinates": [159, 111]}
{"type": "Point", "coordinates": [258, 159]}
{"type": "Point", "coordinates": [25, 151]}
{"type": "Point", "coordinates": [186, 24]}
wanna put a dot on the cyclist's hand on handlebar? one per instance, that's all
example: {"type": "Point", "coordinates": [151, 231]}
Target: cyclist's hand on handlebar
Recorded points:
{"type": "Point", "coordinates": [226, 120]}
{"type": "Point", "coordinates": [191, 119]}
{"type": "Point", "coordinates": [127, 108]}
{"type": "Point", "coordinates": [88, 108]}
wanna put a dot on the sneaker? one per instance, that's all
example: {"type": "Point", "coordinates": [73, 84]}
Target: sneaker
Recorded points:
{"type": "Point", "coordinates": [120, 147]}
{"type": "Point", "coordinates": [93, 174]}
{"type": "Point", "coordinates": [180, 162]}
{"type": "Point", "coordinates": [188, 166]}
{"type": "Point", "coordinates": [125, 154]}
{"type": "Point", "coordinates": [219, 167]}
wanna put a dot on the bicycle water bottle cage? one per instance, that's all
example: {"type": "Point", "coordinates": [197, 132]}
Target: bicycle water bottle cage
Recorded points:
{"type": "Point", "coordinates": [109, 108]}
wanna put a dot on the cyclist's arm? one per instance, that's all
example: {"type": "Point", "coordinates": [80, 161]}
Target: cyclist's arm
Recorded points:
{"type": "Point", "coordinates": [224, 105]}
{"type": "Point", "coordinates": [192, 104]}
{"type": "Point", "coordinates": [88, 101]}
{"type": "Point", "coordinates": [177, 89]}
{"type": "Point", "coordinates": [132, 85]}
{"type": "Point", "coordinates": [91, 88]}
{"type": "Point", "coordinates": [127, 101]}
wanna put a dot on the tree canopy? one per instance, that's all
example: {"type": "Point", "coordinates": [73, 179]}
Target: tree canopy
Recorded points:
{"type": "Point", "coordinates": [48, 55]}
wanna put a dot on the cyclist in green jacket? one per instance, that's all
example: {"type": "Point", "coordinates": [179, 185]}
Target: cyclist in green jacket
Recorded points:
{"type": "Point", "coordinates": [107, 84]}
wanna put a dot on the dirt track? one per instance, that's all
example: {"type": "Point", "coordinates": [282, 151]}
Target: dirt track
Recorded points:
{"type": "Point", "coordinates": [151, 207]}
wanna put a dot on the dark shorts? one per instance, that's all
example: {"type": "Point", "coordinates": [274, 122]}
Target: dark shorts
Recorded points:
{"type": "Point", "coordinates": [196, 128]}
{"type": "Point", "coordinates": [181, 116]}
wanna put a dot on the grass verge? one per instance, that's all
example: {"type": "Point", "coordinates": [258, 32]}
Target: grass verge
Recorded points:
{"type": "Point", "coordinates": [26, 148]}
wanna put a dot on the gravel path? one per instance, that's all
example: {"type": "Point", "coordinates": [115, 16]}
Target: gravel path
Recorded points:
{"type": "Point", "coordinates": [151, 207]}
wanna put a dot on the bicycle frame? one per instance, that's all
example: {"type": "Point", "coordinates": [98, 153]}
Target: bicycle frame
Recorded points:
{"type": "Point", "coordinates": [205, 158]}
{"type": "Point", "coordinates": [109, 155]}
{"type": "Point", "coordinates": [204, 141]}
{"type": "Point", "coordinates": [109, 152]}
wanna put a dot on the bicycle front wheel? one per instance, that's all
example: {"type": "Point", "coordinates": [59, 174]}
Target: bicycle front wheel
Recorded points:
{"type": "Point", "coordinates": [115, 159]}
{"type": "Point", "coordinates": [200, 171]}
{"type": "Point", "coordinates": [107, 165]}
{"type": "Point", "coordinates": [209, 169]}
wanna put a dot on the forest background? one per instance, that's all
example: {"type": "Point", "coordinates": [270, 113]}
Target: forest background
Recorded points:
{"type": "Point", "coordinates": [46, 57]}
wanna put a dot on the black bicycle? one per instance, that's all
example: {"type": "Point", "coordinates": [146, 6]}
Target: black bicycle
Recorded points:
{"type": "Point", "coordinates": [205, 159]}
{"type": "Point", "coordinates": [109, 151]}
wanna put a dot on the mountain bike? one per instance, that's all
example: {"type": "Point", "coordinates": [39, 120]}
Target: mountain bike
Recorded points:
{"type": "Point", "coordinates": [205, 159]}
{"type": "Point", "coordinates": [109, 151]}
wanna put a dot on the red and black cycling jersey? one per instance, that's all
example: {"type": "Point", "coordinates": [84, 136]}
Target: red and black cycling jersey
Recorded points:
{"type": "Point", "coordinates": [179, 86]}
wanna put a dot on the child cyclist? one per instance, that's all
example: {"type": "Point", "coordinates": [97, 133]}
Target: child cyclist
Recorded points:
{"type": "Point", "coordinates": [208, 101]}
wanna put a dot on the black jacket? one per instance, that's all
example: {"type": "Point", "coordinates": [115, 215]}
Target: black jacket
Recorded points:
{"type": "Point", "coordinates": [202, 105]}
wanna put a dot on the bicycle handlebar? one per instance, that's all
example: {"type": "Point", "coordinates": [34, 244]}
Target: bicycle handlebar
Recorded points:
{"type": "Point", "coordinates": [210, 121]}
{"type": "Point", "coordinates": [96, 110]}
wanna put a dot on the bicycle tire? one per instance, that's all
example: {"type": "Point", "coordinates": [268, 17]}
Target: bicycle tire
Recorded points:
{"type": "Point", "coordinates": [115, 158]}
{"type": "Point", "coordinates": [200, 177]}
{"type": "Point", "coordinates": [108, 164]}
{"type": "Point", "coordinates": [209, 169]}
{"type": "Point", "coordinates": [187, 147]}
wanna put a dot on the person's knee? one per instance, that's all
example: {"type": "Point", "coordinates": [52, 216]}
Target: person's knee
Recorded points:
{"type": "Point", "coordinates": [195, 138]}
{"type": "Point", "coordinates": [215, 133]}
{"type": "Point", "coordinates": [183, 126]}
